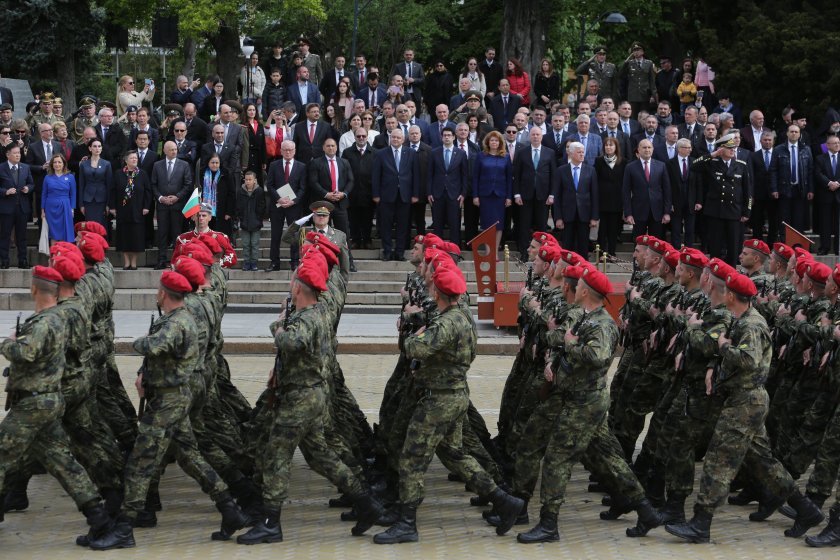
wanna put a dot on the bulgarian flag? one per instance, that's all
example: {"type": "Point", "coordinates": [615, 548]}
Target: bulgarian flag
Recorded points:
{"type": "Point", "coordinates": [192, 206]}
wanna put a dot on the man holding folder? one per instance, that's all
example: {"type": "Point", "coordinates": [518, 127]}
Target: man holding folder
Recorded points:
{"type": "Point", "coordinates": [286, 185]}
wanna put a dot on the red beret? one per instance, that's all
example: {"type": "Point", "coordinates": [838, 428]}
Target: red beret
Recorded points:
{"type": "Point", "coordinates": [543, 237]}
{"type": "Point", "coordinates": [650, 240]}
{"type": "Point", "coordinates": [757, 245]}
{"type": "Point", "coordinates": [740, 284]}
{"type": "Point", "coordinates": [693, 257]}
{"type": "Point", "coordinates": [323, 241]}
{"type": "Point", "coordinates": [431, 253]}
{"type": "Point", "coordinates": [190, 269]}
{"type": "Point", "coordinates": [70, 268]}
{"type": "Point", "coordinates": [91, 247]}
{"type": "Point", "coordinates": [549, 252]}
{"type": "Point", "coordinates": [802, 267]}
{"type": "Point", "coordinates": [783, 251]}
{"type": "Point", "coordinates": [65, 248]}
{"type": "Point", "coordinates": [818, 272]}
{"type": "Point", "coordinates": [449, 280]}
{"type": "Point", "coordinates": [418, 239]}
{"type": "Point", "coordinates": [573, 272]}
{"type": "Point", "coordinates": [659, 245]}
{"type": "Point", "coordinates": [451, 248]}
{"type": "Point", "coordinates": [175, 282]}
{"type": "Point", "coordinates": [597, 280]}
{"type": "Point", "coordinates": [330, 256]}
{"type": "Point", "coordinates": [93, 227]}
{"type": "Point", "coordinates": [642, 239]}
{"type": "Point", "coordinates": [571, 257]}
{"type": "Point", "coordinates": [672, 257]}
{"type": "Point", "coordinates": [312, 271]}
{"type": "Point", "coordinates": [432, 240]}
{"type": "Point", "coordinates": [197, 251]}
{"type": "Point", "coordinates": [211, 243]}
{"type": "Point", "coordinates": [720, 269]}
{"type": "Point", "coordinates": [48, 274]}
{"type": "Point", "coordinates": [318, 256]}
{"type": "Point", "coordinates": [835, 274]}
{"type": "Point", "coordinates": [802, 253]}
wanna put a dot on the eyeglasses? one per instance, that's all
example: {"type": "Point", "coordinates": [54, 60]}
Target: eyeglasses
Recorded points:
{"type": "Point", "coordinates": [361, 136]}
{"type": "Point", "coordinates": [510, 131]}
{"type": "Point", "coordinates": [4, 132]}
{"type": "Point", "coordinates": [131, 83]}
{"type": "Point", "coordinates": [21, 131]}
{"type": "Point", "coordinates": [180, 130]}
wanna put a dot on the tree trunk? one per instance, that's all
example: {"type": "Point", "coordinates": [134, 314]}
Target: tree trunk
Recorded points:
{"type": "Point", "coordinates": [66, 74]}
{"type": "Point", "coordinates": [188, 67]}
{"type": "Point", "coordinates": [228, 57]}
{"type": "Point", "coordinates": [523, 33]}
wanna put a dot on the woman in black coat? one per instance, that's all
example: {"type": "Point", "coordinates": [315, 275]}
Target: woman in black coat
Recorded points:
{"type": "Point", "coordinates": [130, 201]}
{"type": "Point", "coordinates": [609, 169]}
{"type": "Point", "coordinates": [256, 142]}
{"type": "Point", "coordinates": [215, 187]}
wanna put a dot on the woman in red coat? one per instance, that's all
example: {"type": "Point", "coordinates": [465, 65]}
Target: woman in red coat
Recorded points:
{"type": "Point", "coordinates": [520, 82]}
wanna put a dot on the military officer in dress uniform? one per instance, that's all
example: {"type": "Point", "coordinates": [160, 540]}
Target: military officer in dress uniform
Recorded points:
{"type": "Point", "coordinates": [597, 68]}
{"type": "Point", "coordinates": [320, 217]}
{"type": "Point", "coordinates": [85, 118]}
{"type": "Point", "coordinates": [45, 112]}
{"type": "Point", "coordinates": [640, 77]}
{"type": "Point", "coordinates": [724, 198]}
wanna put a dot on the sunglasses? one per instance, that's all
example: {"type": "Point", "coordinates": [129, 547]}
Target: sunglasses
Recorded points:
{"type": "Point", "coordinates": [361, 136]}
{"type": "Point", "coordinates": [131, 83]}
{"type": "Point", "coordinates": [20, 131]}
{"type": "Point", "coordinates": [5, 132]}
{"type": "Point", "coordinates": [510, 131]}
{"type": "Point", "coordinates": [180, 130]}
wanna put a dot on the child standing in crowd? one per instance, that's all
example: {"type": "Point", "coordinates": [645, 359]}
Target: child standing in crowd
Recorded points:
{"type": "Point", "coordinates": [687, 92]}
{"type": "Point", "coordinates": [250, 207]}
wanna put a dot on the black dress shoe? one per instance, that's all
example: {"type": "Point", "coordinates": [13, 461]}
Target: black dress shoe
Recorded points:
{"type": "Point", "coordinates": [4, 266]}
{"type": "Point", "coordinates": [273, 268]}
{"type": "Point", "coordinates": [353, 268]}
{"type": "Point", "coordinates": [23, 264]}
{"type": "Point", "coordinates": [385, 257]}
{"type": "Point", "coordinates": [160, 266]}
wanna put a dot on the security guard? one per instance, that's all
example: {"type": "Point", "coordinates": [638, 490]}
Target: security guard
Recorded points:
{"type": "Point", "coordinates": [597, 68]}
{"type": "Point", "coordinates": [86, 117]}
{"type": "Point", "coordinates": [723, 197]}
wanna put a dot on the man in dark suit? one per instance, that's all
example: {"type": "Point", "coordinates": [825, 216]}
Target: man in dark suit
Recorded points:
{"type": "Point", "coordinates": [395, 189]}
{"type": "Point", "coordinates": [649, 133]}
{"type": "Point", "coordinates": [627, 123]}
{"type": "Point", "coordinates": [493, 73]}
{"type": "Point", "coordinates": [285, 170]}
{"type": "Point", "coordinates": [534, 187]}
{"type": "Point", "coordinates": [359, 74]}
{"type": "Point", "coordinates": [556, 137]}
{"type": "Point", "coordinates": [472, 215]}
{"type": "Point", "coordinates": [447, 186]}
{"type": "Point", "coordinates": [764, 206]}
{"type": "Point", "coordinates": [425, 129]}
{"type": "Point", "coordinates": [576, 206]}
{"type": "Point", "coordinates": [329, 82]}
{"type": "Point", "coordinates": [373, 93]}
{"type": "Point", "coordinates": [647, 193]}
{"type": "Point", "coordinates": [309, 136]}
{"type": "Point", "coordinates": [331, 179]}
{"type": "Point", "coordinates": [503, 106]}
{"type": "Point", "coordinates": [690, 129]}
{"type": "Point", "coordinates": [706, 144]}
{"type": "Point", "coordinates": [16, 187]}
{"type": "Point", "coordinates": [614, 131]}
{"type": "Point", "coordinates": [443, 122]}
{"type": "Point", "coordinates": [197, 130]}
{"type": "Point", "coordinates": [424, 153]}
{"type": "Point", "coordinates": [413, 76]}
{"type": "Point", "coordinates": [143, 124]}
{"type": "Point", "coordinates": [791, 171]}
{"type": "Point", "coordinates": [146, 158]}
{"type": "Point", "coordinates": [227, 155]}
{"type": "Point", "coordinates": [383, 140]}
{"type": "Point", "coordinates": [187, 149]}
{"type": "Point", "coordinates": [591, 141]}
{"type": "Point", "coordinates": [40, 152]}
{"type": "Point", "coordinates": [81, 151]}
{"type": "Point", "coordinates": [668, 149]}
{"type": "Point", "coordinates": [113, 139]}
{"type": "Point", "coordinates": [680, 176]}
{"type": "Point", "coordinates": [361, 158]}
{"type": "Point", "coordinates": [303, 93]}
{"type": "Point", "coordinates": [827, 187]}
{"type": "Point", "coordinates": [172, 183]}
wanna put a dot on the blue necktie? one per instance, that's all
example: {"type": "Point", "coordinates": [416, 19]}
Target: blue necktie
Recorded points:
{"type": "Point", "coordinates": [834, 164]}
{"type": "Point", "coordinates": [627, 129]}
{"type": "Point", "coordinates": [793, 175]}
{"type": "Point", "coordinates": [767, 159]}
{"type": "Point", "coordinates": [575, 177]}
{"type": "Point", "coordinates": [397, 159]}
{"type": "Point", "coordinates": [583, 140]}
{"type": "Point", "coordinates": [536, 158]}
{"type": "Point", "coordinates": [447, 153]}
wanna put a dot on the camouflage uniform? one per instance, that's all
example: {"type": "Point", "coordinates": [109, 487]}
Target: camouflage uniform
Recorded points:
{"type": "Point", "coordinates": [32, 428]}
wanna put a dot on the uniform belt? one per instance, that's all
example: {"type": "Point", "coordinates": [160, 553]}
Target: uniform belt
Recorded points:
{"type": "Point", "coordinates": [421, 392]}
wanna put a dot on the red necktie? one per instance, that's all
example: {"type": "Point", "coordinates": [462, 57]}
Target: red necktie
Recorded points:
{"type": "Point", "coordinates": [288, 171]}
{"type": "Point", "coordinates": [311, 133]}
{"type": "Point", "coordinates": [462, 147]}
{"type": "Point", "coordinates": [647, 171]}
{"type": "Point", "coordinates": [333, 176]}
{"type": "Point", "coordinates": [685, 170]}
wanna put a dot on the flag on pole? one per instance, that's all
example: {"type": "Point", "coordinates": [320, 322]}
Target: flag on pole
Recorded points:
{"type": "Point", "coordinates": [192, 206]}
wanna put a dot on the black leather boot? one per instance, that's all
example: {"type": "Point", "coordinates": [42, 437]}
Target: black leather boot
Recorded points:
{"type": "Point", "coordinates": [266, 530]}
{"type": "Point", "coordinates": [121, 535]}
{"type": "Point", "coordinates": [113, 500]}
{"type": "Point", "coordinates": [153, 500]}
{"type": "Point", "coordinates": [544, 531]}
{"type": "Point", "coordinates": [145, 519]}
{"type": "Point", "coordinates": [830, 536]}
{"type": "Point", "coordinates": [696, 530]}
{"type": "Point", "coordinates": [521, 519]}
{"type": "Point", "coordinates": [343, 501]}
{"type": "Point", "coordinates": [368, 511]}
{"type": "Point", "coordinates": [404, 530]}
{"type": "Point", "coordinates": [674, 509]}
{"type": "Point", "coordinates": [649, 519]}
{"type": "Point", "coordinates": [232, 518]}
{"type": "Point", "coordinates": [818, 499]}
{"type": "Point", "coordinates": [507, 510]}
{"type": "Point", "coordinates": [807, 515]}
{"type": "Point", "coordinates": [15, 500]}
{"type": "Point", "coordinates": [744, 498]}
{"type": "Point", "coordinates": [767, 506]}
{"type": "Point", "coordinates": [619, 505]}
{"type": "Point", "coordinates": [479, 501]}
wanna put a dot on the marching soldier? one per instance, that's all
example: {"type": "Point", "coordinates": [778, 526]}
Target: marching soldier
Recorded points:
{"type": "Point", "coordinates": [597, 68]}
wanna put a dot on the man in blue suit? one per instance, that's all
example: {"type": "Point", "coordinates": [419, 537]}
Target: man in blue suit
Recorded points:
{"type": "Point", "coordinates": [534, 187]}
{"type": "Point", "coordinates": [373, 93]}
{"type": "Point", "coordinates": [593, 143]}
{"type": "Point", "coordinates": [395, 189]}
{"type": "Point", "coordinates": [503, 106]}
{"type": "Point", "coordinates": [303, 92]}
{"type": "Point", "coordinates": [576, 207]}
{"type": "Point", "coordinates": [16, 188]}
{"type": "Point", "coordinates": [790, 178]}
{"type": "Point", "coordinates": [447, 186]}
{"type": "Point", "coordinates": [647, 193]}
{"type": "Point", "coordinates": [443, 122]}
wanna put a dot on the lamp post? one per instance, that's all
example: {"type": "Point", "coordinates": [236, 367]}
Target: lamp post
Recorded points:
{"type": "Point", "coordinates": [612, 18]}
{"type": "Point", "coordinates": [247, 46]}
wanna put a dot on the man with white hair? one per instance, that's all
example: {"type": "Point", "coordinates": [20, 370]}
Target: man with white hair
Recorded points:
{"type": "Point", "coordinates": [592, 143]}
{"type": "Point", "coordinates": [183, 90]}
{"type": "Point", "coordinates": [751, 134]}
{"type": "Point", "coordinates": [576, 207]}
{"type": "Point", "coordinates": [113, 138]}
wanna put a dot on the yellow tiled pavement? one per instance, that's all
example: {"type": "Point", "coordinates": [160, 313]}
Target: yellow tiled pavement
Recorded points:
{"type": "Point", "coordinates": [448, 526]}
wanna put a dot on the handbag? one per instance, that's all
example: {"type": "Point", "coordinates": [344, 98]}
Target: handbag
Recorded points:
{"type": "Point", "coordinates": [44, 241]}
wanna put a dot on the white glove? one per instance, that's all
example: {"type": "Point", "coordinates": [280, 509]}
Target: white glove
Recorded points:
{"type": "Point", "coordinates": [304, 219]}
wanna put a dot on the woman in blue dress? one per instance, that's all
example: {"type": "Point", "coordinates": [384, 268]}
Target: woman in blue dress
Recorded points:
{"type": "Point", "coordinates": [95, 184]}
{"type": "Point", "coordinates": [58, 199]}
{"type": "Point", "coordinates": [493, 183]}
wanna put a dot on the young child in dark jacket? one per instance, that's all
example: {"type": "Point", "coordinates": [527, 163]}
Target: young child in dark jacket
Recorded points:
{"type": "Point", "coordinates": [250, 208]}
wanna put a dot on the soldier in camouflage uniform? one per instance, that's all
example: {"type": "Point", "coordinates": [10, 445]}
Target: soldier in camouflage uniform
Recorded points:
{"type": "Point", "coordinates": [170, 352]}
{"type": "Point", "coordinates": [35, 403]}
{"type": "Point", "coordinates": [740, 436]}
{"type": "Point", "coordinates": [442, 352]}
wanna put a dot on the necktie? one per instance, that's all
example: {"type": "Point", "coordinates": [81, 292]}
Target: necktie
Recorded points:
{"type": "Point", "coordinates": [397, 158]}
{"type": "Point", "coordinates": [684, 169]}
{"type": "Point", "coordinates": [405, 130]}
{"type": "Point", "coordinates": [104, 132]}
{"type": "Point", "coordinates": [311, 132]}
{"type": "Point", "coordinates": [372, 99]}
{"type": "Point", "coordinates": [557, 137]}
{"type": "Point", "coordinates": [463, 147]}
{"type": "Point", "coordinates": [15, 174]}
{"type": "Point", "coordinates": [647, 171]}
{"type": "Point", "coordinates": [188, 122]}
{"type": "Point", "coordinates": [142, 155]}
{"type": "Point", "coordinates": [536, 158]}
{"type": "Point", "coordinates": [612, 134]}
{"type": "Point", "coordinates": [169, 169]}
{"type": "Point", "coordinates": [711, 147]}
{"type": "Point", "coordinates": [447, 156]}
{"type": "Point", "coordinates": [626, 128]}
{"type": "Point", "coordinates": [575, 177]}
{"type": "Point", "coordinates": [415, 147]}
{"type": "Point", "coordinates": [834, 164]}
{"type": "Point", "coordinates": [48, 151]}
{"type": "Point", "coordinates": [442, 125]}
{"type": "Point", "coordinates": [178, 143]}
{"type": "Point", "coordinates": [287, 171]}
{"type": "Point", "coordinates": [218, 148]}
{"type": "Point", "coordinates": [322, 232]}
{"type": "Point", "coordinates": [583, 140]}
{"type": "Point", "coordinates": [794, 178]}
{"type": "Point", "coordinates": [504, 103]}
{"type": "Point", "coordinates": [511, 149]}
{"type": "Point", "coordinates": [408, 70]}
{"type": "Point", "coordinates": [333, 176]}
{"type": "Point", "coordinates": [362, 75]}
{"type": "Point", "coordinates": [767, 159]}
{"type": "Point", "coordinates": [670, 152]}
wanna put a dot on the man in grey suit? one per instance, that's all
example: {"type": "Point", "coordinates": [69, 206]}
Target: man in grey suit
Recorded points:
{"type": "Point", "coordinates": [40, 152]}
{"type": "Point", "coordinates": [591, 141]}
{"type": "Point", "coordinates": [172, 183]}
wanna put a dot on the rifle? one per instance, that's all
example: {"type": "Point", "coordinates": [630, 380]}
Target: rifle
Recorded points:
{"type": "Point", "coordinates": [278, 360]}
{"type": "Point", "coordinates": [141, 408]}
{"type": "Point", "coordinates": [407, 286]}
{"type": "Point", "coordinates": [557, 361]}
{"type": "Point", "coordinates": [7, 371]}
{"type": "Point", "coordinates": [718, 375]}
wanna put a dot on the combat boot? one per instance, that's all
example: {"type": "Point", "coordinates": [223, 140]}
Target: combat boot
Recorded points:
{"type": "Point", "coordinates": [145, 519]}
{"type": "Point", "coordinates": [807, 515]}
{"type": "Point", "coordinates": [544, 531]}
{"type": "Point", "coordinates": [649, 519]}
{"type": "Point", "coordinates": [153, 500]}
{"type": "Point", "coordinates": [15, 500]}
{"type": "Point", "coordinates": [674, 509]}
{"type": "Point", "coordinates": [619, 505]}
{"type": "Point", "coordinates": [121, 535]}
{"type": "Point", "coordinates": [818, 499]}
{"type": "Point", "coordinates": [655, 489]}
{"type": "Point", "coordinates": [343, 501]}
{"type": "Point", "coordinates": [368, 512]}
{"type": "Point", "coordinates": [830, 536]}
{"type": "Point", "coordinates": [266, 530]}
{"type": "Point", "coordinates": [745, 497]}
{"type": "Point", "coordinates": [113, 500]}
{"type": "Point", "coordinates": [232, 518]}
{"type": "Point", "coordinates": [245, 492]}
{"type": "Point", "coordinates": [767, 506]}
{"type": "Point", "coordinates": [99, 520]}
{"type": "Point", "coordinates": [696, 530]}
{"type": "Point", "coordinates": [521, 519]}
{"type": "Point", "coordinates": [404, 530]}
